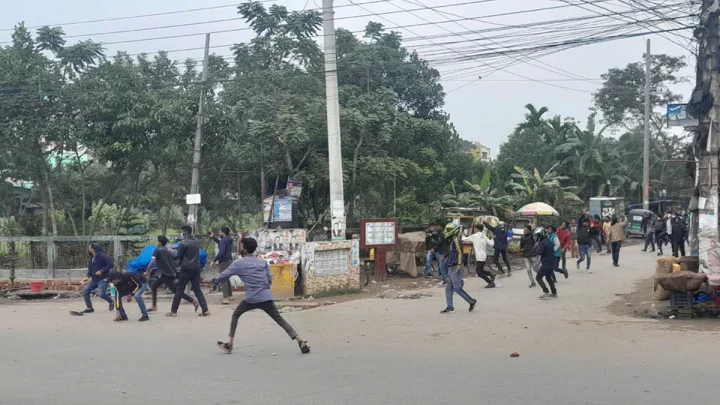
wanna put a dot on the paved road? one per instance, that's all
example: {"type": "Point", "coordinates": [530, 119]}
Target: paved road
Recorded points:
{"type": "Point", "coordinates": [572, 352]}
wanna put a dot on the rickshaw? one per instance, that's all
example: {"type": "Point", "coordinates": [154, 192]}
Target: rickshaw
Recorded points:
{"type": "Point", "coordinates": [635, 218]}
{"type": "Point", "coordinates": [467, 218]}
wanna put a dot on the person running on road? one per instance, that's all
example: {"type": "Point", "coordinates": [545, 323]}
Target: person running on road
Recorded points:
{"type": "Point", "coordinates": [596, 232]}
{"type": "Point", "coordinates": [98, 269]}
{"type": "Point", "coordinates": [455, 269]}
{"type": "Point", "coordinates": [557, 252]}
{"type": "Point", "coordinates": [500, 246]}
{"type": "Point", "coordinates": [163, 259]}
{"type": "Point", "coordinates": [617, 234]}
{"type": "Point", "coordinates": [584, 241]}
{"type": "Point", "coordinates": [545, 249]}
{"type": "Point", "coordinates": [223, 259]}
{"type": "Point", "coordinates": [527, 243]}
{"type": "Point", "coordinates": [256, 277]}
{"type": "Point", "coordinates": [480, 243]}
{"type": "Point", "coordinates": [565, 237]}
{"type": "Point", "coordinates": [128, 284]}
{"type": "Point", "coordinates": [188, 257]}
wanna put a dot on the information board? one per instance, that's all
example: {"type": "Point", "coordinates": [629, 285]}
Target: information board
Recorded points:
{"type": "Point", "coordinates": [331, 262]}
{"type": "Point", "coordinates": [379, 232]}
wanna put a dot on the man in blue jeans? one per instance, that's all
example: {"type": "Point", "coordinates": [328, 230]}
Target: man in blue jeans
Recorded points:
{"type": "Point", "coordinates": [584, 241]}
{"type": "Point", "coordinates": [98, 269]}
{"type": "Point", "coordinates": [128, 284]}
{"type": "Point", "coordinates": [455, 280]}
{"type": "Point", "coordinates": [433, 241]}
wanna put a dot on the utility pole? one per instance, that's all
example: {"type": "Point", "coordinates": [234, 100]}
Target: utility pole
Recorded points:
{"type": "Point", "coordinates": [195, 180]}
{"type": "Point", "coordinates": [337, 200]}
{"type": "Point", "coordinates": [646, 137]}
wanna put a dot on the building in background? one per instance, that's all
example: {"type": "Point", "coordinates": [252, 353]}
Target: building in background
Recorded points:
{"type": "Point", "coordinates": [481, 152]}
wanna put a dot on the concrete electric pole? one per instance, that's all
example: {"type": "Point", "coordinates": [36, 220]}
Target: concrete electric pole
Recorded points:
{"type": "Point", "coordinates": [195, 180]}
{"type": "Point", "coordinates": [646, 137]}
{"type": "Point", "coordinates": [337, 200]}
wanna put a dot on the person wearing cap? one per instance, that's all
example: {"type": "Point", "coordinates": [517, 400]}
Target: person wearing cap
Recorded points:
{"type": "Point", "coordinates": [257, 279]}
{"type": "Point", "coordinates": [500, 246]}
{"type": "Point", "coordinates": [128, 284]}
{"type": "Point", "coordinates": [455, 280]}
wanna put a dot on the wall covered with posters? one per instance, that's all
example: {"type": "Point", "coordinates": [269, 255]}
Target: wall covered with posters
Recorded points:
{"type": "Point", "coordinates": [331, 266]}
{"type": "Point", "coordinates": [282, 246]}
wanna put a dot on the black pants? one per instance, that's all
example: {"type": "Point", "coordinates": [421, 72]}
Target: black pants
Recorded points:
{"type": "Point", "coordinates": [497, 255]}
{"type": "Point", "coordinates": [170, 284]}
{"type": "Point", "coordinates": [616, 252]}
{"type": "Point", "coordinates": [192, 277]}
{"type": "Point", "coordinates": [225, 286]}
{"type": "Point", "coordinates": [678, 247]}
{"type": "Point", "coordinates": [269, 308]}
{"type": "Point", "coordinates": [480, 270]}
{"type": "Point", "coordinates": [650, 241]}
{"type": "Point", "coordinates": [546, 272]}
{"type": "Point", "coordinates": [659, 240]}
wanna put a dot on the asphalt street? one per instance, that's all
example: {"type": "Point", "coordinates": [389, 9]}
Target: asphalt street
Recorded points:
{"type": "Point", "coordinates": [372, 351]}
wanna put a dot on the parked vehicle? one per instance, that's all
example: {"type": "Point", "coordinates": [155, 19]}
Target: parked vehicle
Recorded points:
{"type": "Point", "coordinates": [637, 219]}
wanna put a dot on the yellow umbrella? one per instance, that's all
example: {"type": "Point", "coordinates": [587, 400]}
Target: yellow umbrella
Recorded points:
{"type": "Point", "coordinates": [537, 209]}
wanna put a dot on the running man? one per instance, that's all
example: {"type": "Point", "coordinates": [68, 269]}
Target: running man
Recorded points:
{"type": "Point", "coordinates": [128, 284]}
{"type": "Point", "coordinates": [98, 269]}
{"type": "Point", "coordinates": [480, 243]}
{"type": "Point", "coordinates": [255, 275]}
{"type": "Point", "coordinates": [557, 252]}
{"type": "Point", "coordinates": [565, 237]}
{"type": "Point", "coordinates": [584, 241]}
{"type": "Point", "coordinates": [500, 246]}
{"type": "Point", "coordinates": [188, 256]}
{"type": "Point", "coordinates": [544, 248]}
{"type": "Point", "coordinates": [163, 259]}
{"type": "Point", "coordinates": [455, 280]}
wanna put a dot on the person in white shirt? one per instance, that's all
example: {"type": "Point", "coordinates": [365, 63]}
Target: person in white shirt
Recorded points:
{"type": "Point", "coordinates": [480, 243]}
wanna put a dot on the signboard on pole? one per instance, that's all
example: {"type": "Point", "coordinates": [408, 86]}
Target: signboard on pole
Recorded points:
{"type": "Point", "coordinates": [379, 233]}
{"type": "Point", "coordinates": [191, 199]}
{"type": "Point", "coordinates": [677, 116]}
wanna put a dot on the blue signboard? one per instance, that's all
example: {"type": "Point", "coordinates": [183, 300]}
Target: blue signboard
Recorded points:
{"type": "Point", "coordinates": [677, 116]}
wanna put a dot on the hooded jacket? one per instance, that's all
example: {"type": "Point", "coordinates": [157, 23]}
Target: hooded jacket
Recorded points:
{"type": "Point", "coordinates": [99, 262]}
{"type": "Point", "coordinates": [527, 243]}
{"type": "Point", "coordinates": [546, 251]}
{"type": "Point", "coordinates": [500, 236]}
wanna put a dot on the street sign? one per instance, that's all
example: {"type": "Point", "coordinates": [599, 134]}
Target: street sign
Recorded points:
{"type": "Point", "coordinates": [677, 116]}
{"type": "Point", "coordinates": [191, 199]}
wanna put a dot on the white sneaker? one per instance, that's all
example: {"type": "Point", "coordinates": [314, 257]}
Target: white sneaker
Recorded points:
{"type": "Point", "coordinates": [588, 271]}
{"type": "Point", "coordinates": [545, 296]}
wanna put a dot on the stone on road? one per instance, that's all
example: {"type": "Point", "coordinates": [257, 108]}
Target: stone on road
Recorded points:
{"type": "Point", "coordinates": [373, 351]}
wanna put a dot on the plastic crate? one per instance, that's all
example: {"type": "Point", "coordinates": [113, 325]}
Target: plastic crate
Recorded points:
{"type": "Point", "coordinates": [681, 300]}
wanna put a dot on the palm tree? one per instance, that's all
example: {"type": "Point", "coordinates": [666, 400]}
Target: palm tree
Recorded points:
{"type": "Point", "coordinates": [546, 188]}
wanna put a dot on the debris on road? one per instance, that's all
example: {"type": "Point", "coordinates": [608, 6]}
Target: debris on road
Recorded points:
{"type": "Point", "coordinates": [392, 294]}
{"type": "Point", "coordinates": [515, 354]}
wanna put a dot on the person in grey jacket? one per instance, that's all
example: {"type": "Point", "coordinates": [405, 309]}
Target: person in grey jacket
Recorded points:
{"type": "Point", "coordinates": [188, 258]}
{"type": "Point", "coordinates": [257, 279]}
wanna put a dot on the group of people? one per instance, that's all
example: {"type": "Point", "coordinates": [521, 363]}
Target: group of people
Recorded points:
{"type": "Point", "coordinates": [670, 228]}
{"type": "Point", "coordinates": [544, 250]}
{"type": "Point", "coordinates": [176, 268]}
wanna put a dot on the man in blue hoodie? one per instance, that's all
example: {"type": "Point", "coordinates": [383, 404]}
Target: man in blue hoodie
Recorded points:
{"type": "Point", "coordinates": [223, 259]}
{"type": "Point", "coordinates": [500, 246]}
{"type": "Point", "coordinates": [98, 269]}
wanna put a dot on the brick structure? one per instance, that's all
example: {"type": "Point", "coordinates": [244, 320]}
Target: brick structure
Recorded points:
{"type": "Point", "coordinates": [331, 266]}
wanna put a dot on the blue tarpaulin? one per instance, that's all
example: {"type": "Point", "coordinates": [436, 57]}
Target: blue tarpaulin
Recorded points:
{"type": "Point", "coordinates": [140, 263]}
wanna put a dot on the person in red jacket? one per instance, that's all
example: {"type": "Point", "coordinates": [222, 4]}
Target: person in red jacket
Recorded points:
{"type": "Point", "coordinates": [565, 236]}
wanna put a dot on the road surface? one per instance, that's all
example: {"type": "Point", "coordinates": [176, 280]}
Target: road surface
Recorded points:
{"type": "Point", "coordinates": [373, 351]}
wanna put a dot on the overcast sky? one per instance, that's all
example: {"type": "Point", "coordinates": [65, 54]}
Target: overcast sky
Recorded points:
{"type": "Point", "coordinates": [484, 110]}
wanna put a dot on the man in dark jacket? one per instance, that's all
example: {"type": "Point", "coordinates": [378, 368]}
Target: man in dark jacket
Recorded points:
{"type": "Point", "coordinates": [660, 229]}
{"type": "Point", "coordinates": [584, 241]}
{"type": "Point", "coordinates": [98, 269]}
{"type": "Point", "coordinates": [545, 249]}
{"type": "Point", "coordinates": [527, 243]}
{"type": "Point", "coordinates": [677, 238]}
{"type": "Point", "coordinates": [165, 263]}
{"type": "Point", "coordinates": [433, 239]}
{"type": "Point", "coordinates": [500, 246]}
{"type": "Point", "coordinates": [223, 259]}
{"type": "Point", "coordinates": [128, 284]}
{"type": "Point", "coordinates": [188, 258]}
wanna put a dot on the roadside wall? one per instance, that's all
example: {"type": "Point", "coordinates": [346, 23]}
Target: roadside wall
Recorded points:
{"type": "Point", "coordinates": [331, 266]}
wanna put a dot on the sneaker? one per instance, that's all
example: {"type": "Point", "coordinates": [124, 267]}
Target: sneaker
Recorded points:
{"type": "Point", "coordinates": [565, 273]}
{"type": "Point", "coordinates": [491, 285]}
{"type": "Point", "coordinates": [87, 311]}
{"type": "Point", "coordinates": [447, 311]}
{"type": "Point", "coordinates": [472, 305]}
{"type": "Point", "coordinates": [532, 285]}
{"type": "Point", "coordinates": [553, 296]}
{"type": "Point", "coordinates": [616, 265]}
{"type": "Point", "coordinates": [577, 265]}
{"type": "Point", "coordinates": [545, 296]}
{"type": "Point", "coordinates": [144, 319]}
{"type": "Point", "coordinates": [644, 250]}
{"type": "Point", "coordinates": [123, 319]}
{"type": "Point", "coordinates": [588, 271]}
{"type": "Point", "coordinates": [111, 306]}
{"type": "Point", "coordinates": [304, 348]}
{"type": "Point", "coordinates": [226, 347]}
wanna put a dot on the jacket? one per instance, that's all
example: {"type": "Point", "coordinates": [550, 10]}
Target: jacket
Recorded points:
{"type": "Point", "coordinates": [565, 238]}
{"type": "Point", "coordinates": [99, 262]}
{"type": "Point", "coordinates": [188, 254]}
{"type": "Point", "coordinates": [225, 248]}
{"type": "Point", "coordinates": [678, 232]}
{"type": "Point", "coordinates": [546, 251]}
{"type": "Point", "coordinates": [527, 243]}
{"type": "Point", "coordinates": [255, 275]}
{"type": "Point", "coordinates": [480, 242]}
{"type": "Point", "coordinates": [165, 262]}
{"type": "Point", "coordinates": [583, 235]}
{"type": "Point", "coordinates": [617, 232]}
{"type": "Point", "coordinates": [500, 237]}
{"type": "Point", "coordinates": [433, 240]}
{"type": "Point", "coordinates": [129, 284]}
{"type": "Point", "coordinates": [454, 257]}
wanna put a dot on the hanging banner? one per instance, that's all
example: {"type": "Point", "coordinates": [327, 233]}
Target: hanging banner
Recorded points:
{"type": "Point", "coordinates": [677, 116]}
{"type": "Point", "coordinates": [294, 188]}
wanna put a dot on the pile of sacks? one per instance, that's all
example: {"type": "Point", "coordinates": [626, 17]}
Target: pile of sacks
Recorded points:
{"type": "Point", "coordinates": [669, 280]}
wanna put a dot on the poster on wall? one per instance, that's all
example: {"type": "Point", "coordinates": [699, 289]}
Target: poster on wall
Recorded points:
{"type": "Point", "coordinates": [282, 210]}
{"type": "Point", "coordinates": [279, 246]}
{"type": "Point", "coordinates": [294, 188]}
